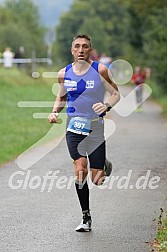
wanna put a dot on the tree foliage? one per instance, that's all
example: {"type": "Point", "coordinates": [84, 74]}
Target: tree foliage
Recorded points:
{"type": "Point", "coordinates": [132, 30]}
{"type": "Point", "coordinates": [155, 46]}
{"type": "Point", "coordinates": [96, 19]}
{"type": "Point", "coordinates": [20, 26]}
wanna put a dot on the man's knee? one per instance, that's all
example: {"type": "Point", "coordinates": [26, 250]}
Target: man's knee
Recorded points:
{"type": "Point", "coordinates": [81, 170]}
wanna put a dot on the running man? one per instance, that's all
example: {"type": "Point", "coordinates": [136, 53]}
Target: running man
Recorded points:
{"type": "Point", "coordinates": [83, 84]}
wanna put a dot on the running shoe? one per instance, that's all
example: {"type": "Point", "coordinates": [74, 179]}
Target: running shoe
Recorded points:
{"type": "Point", "coordinates": [107, 168]}
{"type": "Point", "coordinates": [85, 225]}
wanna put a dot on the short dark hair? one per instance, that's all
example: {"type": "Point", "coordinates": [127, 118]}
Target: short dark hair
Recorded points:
{"type": "Point", "coordinates": [82, 35]}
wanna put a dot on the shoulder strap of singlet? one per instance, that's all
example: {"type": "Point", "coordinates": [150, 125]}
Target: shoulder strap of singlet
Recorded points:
{"type": "Point", "coordinates": [68, 67]}
{"type": "Point", "coordinates": [95, 65]}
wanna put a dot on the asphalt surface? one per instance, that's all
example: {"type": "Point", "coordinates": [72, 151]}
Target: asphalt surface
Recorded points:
{"type": "Point", "coordinates": [124, 213]}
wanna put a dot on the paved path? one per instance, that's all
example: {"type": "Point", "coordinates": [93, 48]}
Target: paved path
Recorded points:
{"type": "Point", "coordinates": [123, 219]}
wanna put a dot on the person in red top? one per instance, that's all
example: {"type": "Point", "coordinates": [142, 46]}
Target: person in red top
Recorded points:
{"type": "Point", "coordinates": [138, 79]}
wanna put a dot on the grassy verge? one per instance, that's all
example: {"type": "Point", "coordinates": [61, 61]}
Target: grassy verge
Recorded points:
{"type": "Point", "coordinates": [160, 242]}
{"type": "Point", "coordinates": [18, 129]}
{"type": "Point", "coordinates": [159, 96]}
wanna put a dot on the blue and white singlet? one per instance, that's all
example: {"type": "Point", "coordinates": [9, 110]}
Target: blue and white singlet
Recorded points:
{"type": "Point", "coordinates": [83, 91]}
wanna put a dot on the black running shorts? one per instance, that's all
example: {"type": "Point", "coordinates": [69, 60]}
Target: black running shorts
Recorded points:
{"type": "Point", "coordinates": [92, 146]}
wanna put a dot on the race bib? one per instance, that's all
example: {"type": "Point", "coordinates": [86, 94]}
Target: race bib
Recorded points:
{"type": "Point", "coordinates": [79, 125]}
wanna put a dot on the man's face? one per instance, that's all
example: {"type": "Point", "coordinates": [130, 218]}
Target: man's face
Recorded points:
{"type": "Point", "coordinates": [81, 49]}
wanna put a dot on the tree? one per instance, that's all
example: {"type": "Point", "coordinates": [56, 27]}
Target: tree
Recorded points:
{"type": "Point", "coordinates": [68, 27]}
{"type": "Point", "coordinates": [148, 37]}
{"type": "Point", "coordinates": [155, 41]}
{"type": "Point", "coordinates": [99, 21]}
{"type": "Point", "coordinates": [21, 27]}
{"type": "Point", "coordinates": [132, 30]}
{"type": "Point", "coordinates": [94, 26]}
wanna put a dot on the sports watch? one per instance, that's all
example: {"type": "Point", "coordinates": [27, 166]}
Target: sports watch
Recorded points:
{"type": "Point", "coordinates": [108, 107]}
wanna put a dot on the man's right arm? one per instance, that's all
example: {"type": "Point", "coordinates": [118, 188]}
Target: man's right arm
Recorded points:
{"type": "Point", "coordinates": [60, 99]}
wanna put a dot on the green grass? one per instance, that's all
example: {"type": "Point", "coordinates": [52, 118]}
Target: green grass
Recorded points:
{"type": "Point", "coordinates": [18, 129]}
{"type": "Point", "coordinates": [160, 243]}
{"type": "Point", "coordinates": [163, 102]}
{"type": "Point", "coordinates": [159, 96]}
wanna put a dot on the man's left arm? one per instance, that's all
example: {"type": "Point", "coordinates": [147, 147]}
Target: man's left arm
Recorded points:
{"type": "Point", "coordinates": [111, 87]}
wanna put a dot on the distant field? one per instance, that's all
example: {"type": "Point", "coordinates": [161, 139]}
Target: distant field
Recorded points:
{"type": "Point", "coordinates": [18, 129]}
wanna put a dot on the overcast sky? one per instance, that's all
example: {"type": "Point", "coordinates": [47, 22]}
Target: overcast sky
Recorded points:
{"type": "Point", "coordinates": [50, 10]}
